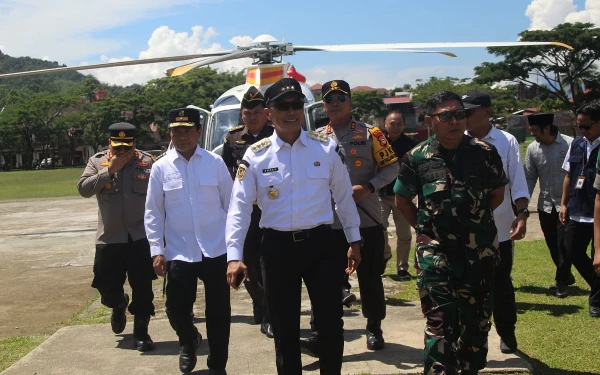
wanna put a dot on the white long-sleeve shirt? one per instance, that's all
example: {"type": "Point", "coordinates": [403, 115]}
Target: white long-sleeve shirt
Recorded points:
{"type": "Point", "coordinates": [508, 148]}
{"type": "Point", "coordinates": [302, 179]}
{"type": "Point", "coordinates": [186, 206]}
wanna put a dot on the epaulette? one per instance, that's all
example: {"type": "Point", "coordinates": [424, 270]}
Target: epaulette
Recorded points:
{"type": "Point", "coordinates": [147, 154]}
{"type": "Point", "coordinates": [101, 154]}
{"type": "Point", "coordinates": [236, 128]}
{"type": "Point", "coordinates": [265, 142]}
{"type": "Point", "coordinates": [318, 136]}
{"type": "Point", "coordinates": [484, 145]}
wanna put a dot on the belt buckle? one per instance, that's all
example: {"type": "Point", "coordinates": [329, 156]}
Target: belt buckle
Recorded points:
{"type": "Point", "coordinates": [299, 236]}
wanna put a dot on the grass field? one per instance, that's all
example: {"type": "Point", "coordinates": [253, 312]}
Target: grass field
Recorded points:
{"type": "Point", "coordinates": [46, 183]}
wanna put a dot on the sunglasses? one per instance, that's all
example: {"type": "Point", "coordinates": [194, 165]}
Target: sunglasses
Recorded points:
{"type": "Point", "coordinates": [447, 116]}
{"type": "Point", "coordinates": [332, 98]}
{"type": "Point", "coordinates": [586, 127]}
{"type": "Point", "coordinates": [286, 106]}
{"type": "Point", "coordinates": [123, 148]}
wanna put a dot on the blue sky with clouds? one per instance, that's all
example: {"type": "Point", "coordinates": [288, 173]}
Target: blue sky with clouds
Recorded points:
{"type": "Point", "coordinates": [75, 32]}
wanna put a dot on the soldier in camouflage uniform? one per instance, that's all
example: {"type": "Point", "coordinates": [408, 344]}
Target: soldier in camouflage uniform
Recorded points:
{"type": "Point", "coordinates": [372, 164]}
{"type": "Point", "coordinates": [237, 141]}
{"type": "Point", "coordinates": [459, 181]}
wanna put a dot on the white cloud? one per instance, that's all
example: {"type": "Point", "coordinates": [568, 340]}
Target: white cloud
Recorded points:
{"type": "Point", "coordinates": [546, 14]}
{"type": "Point", "coordinates": [379, 76]}
{"type": "Point", "coordinates": [167, 42]}
{"type": "Point", "coordinates": [64, 30]}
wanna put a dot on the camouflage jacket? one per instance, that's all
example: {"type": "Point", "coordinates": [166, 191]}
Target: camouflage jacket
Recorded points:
{"type": "Point", "coordinates": [453, 189]}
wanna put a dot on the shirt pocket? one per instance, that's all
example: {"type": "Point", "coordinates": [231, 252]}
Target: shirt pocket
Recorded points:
{"type": "Point", "coordinates": [173, 192]}
{"type": "Point", "coordinates": [140, 182]}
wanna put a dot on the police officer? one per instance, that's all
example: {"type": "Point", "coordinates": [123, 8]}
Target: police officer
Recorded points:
{"type": "Point", "coordinates": [119, 179]}
{"type": "Point", "coordinates": [236, 142]}
{"type": "Point", "coordinates": [372, 164]}
{"type": "Point", "coordinates": [459, 181]}
{"type": "Point", "coordinates": [287, 174]}
{"type": "Point", "coordinates": [187, 203]}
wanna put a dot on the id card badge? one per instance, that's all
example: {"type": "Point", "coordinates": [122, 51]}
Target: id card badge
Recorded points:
{"type": "Point", "coordinates": [579, 183]}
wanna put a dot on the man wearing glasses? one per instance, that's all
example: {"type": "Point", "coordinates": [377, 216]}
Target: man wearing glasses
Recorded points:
{"type": "Point", "coordinates": [510, 228]}
{"type": "Point", "coordinates": [186, 208]}
{"type": "Point", "coordinates": [288, 174]}
{"type": "Point", "coordinates": [372, 164]}
{"type": "Point", "coordinates": [119, 179]}
{"type": "Point", "coordinates": [577, 205]}
{"type": "Point", "coordinates": [459, 181]}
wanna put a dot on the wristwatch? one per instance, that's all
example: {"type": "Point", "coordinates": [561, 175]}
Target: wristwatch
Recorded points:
{"type": "Point", "coordinates": [360, 242]}
{"type": "Point", "coordinates": [523, 211]}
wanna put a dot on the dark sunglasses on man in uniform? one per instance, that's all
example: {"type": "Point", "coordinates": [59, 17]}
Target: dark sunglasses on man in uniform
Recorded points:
{"type": "Point", "coordinates": [331, 98]}
{"type": "Point", "coordinates": [122, 148]}
{"type": "Point", "coordinates": [447, 116]}
{"type": "Point", "coordinates": [286, 106]}
{"type": "Point", "coordinates": [586, 127]}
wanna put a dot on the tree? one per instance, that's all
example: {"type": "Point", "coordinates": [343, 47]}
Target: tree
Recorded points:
{"type": "Point", "coordinates": [367, 105]}
{"type": "Point", "coordinates": [565, 74]}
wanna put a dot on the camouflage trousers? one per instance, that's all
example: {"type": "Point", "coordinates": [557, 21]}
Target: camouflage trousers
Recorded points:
{"type": "Point", "coordinates": [456, 300]}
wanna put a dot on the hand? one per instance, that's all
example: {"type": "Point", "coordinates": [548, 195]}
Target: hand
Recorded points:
{"type": "Point", "coordinates": [353, 258]}
{"type": "Point", "coordinates": [159, 264]}
{"type": "Point", "coordinates": [233, 269]}
{"type": "Point", "coordinates": [596, 262]}
{"type": "Point", "coordinates": [423, 239]}
{"type": "Point", "coordinates": [562, 215]}
{"type": "Point", "coordinates": [117, 162]}
{"type": "Point", "coordinates": [360, 192]}
{"type": "Point", "coordinates": [518, 229]}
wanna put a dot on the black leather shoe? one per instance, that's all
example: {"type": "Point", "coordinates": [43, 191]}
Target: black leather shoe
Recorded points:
{"type": "Point", "coordinates": [266, 329]}
{"type": "Point", "coordinates": [141, 339]}
{"type": "Point", "coordinates": [212, 371]}
{"type": "Point", "coordinates": [570, 282]}
{"type": "Point", "coordinates": [404, 275]}
{"type": "Point", "coordinates": [257, 312]}
{"type": "Point", "coordinates": [561, 290]}
{"type": "Point", "coordinates": [118, 319]}
{"type": "Point", "coordinates": [508, 344]}
{"type": "Point", "coordinates": [375, 339]}
{"type": "Point", "coordinates": [595, 311]}
{"type": "Point", "coordinates": [348, 297]}
{"type": "Point", "coordinates": [188, 356]}
{"type": "Point", "coordinates": [311, 346]}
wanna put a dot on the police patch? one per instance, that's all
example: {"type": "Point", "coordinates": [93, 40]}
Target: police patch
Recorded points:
{"type": "Point", "coordinates": [241, 172]}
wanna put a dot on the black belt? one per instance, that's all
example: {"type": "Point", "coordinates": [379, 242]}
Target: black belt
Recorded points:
{"type": "Point", "coordinates": [298, 235]}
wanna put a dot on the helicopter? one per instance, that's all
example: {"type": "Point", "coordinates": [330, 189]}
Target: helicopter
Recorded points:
{"type": "Point", "coordinates": [267, 68]}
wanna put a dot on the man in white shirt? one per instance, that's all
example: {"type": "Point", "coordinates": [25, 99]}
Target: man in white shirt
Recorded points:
{"type": "Point", "coordinates": [186, 209]}
{"type": "Point", "coordinates": [293, 175]}
{"type": "Point", "coordinates": [509, 228]}
{"type": "Point", "coordinates": [579, 195]}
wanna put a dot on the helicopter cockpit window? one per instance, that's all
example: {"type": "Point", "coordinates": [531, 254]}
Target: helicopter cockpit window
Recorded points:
{"type": "Point", "coordinates": [221, 122]}
{"type": "Point", "coordinates": [229, 100]}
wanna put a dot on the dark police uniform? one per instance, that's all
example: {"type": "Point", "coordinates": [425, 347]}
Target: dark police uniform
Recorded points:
{"type": "Point", "coordinates": [370, 160]}
{"type": "Point", "coordinates": [237, 141]}
{"type": "Point", "coordinates": [121, 245]}
{"type": "Point", "coordinates": [288, 182]}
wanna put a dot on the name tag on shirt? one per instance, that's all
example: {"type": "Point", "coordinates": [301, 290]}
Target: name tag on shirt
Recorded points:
{"type": "Point", "coordinates": [579, 183]}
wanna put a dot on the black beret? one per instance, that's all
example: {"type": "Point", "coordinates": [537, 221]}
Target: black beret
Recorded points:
{"type": "Point", "coordinates": [337, 85]}
{"type": "Point", "coordinates": [121, 134]}
{"type": "Point", "coordinates": [541, 119]}
{"type": "Point", "coordinates": [282, 87]}
{"type": "Point", "coordinates": [184, 117]}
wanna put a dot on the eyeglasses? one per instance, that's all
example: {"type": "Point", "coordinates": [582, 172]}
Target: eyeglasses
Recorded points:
{"type": "Point", "coordinates": [447, 116]}
{"type": "Point", "coordinates": [332, 98]}
{"type": "Point", "coordinates": [286, 106]}
{"type": "Point", "coordinates": [586, 127]}
{"type": "Point", "coordinates": [122, 148]}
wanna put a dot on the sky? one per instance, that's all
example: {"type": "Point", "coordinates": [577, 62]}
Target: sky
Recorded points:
{"type": "Point", "coordinates": [75, 32]}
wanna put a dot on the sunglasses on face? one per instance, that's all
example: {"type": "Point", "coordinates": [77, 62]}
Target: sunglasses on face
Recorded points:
{"type": "Point", "coordinates": [332, 98]}
{"type": "Point", "coordinates": [586, 127]}
{"type": "Point", "coordinates": [123, 148]}
{"type": "Point", "coordinates": [447, 116]}
{"type": "Point", "coordinates": [286, 106]}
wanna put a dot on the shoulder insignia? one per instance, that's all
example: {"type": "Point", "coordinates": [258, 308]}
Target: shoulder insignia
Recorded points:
{"type": "Point", "coordinates": [240, 142]}
{"type": "Point", "coordinates": [317, 136]}
{"type": "Point", "coordinates": [148, 155]}
{"type": "Point", "coordinates": [382, 150]}
{"type": "Point", "coordinates": [265, 142]}
{"type": "Point", "coordinates": [484, 145]}
{"type": "Point", "coordinates": [236, 128]}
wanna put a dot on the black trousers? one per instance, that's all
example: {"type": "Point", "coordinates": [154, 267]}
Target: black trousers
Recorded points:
{"type": "Point", "coordinates": [577, 238]}
{"type": "Point", "coordinates": [554, 234]}
{"type": "Point", "coordinates": [254, 283]}
{"type": "Point", "coordinates": [503, 292]}
{"type": "Point", "coordinates": [182, 279]}
{"type": "Point", "coordinates": [288, 259]}
{"type": "Point", "coordinates": [113, 263]}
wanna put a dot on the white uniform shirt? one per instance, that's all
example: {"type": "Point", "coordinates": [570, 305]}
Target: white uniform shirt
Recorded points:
{"type": "Point", "coordinates": [187, 206]}
{"type": "Point", "coordinates": [306, 175]}
{"type": "Point", "coordinates": [508, 148]}
{"type": "Point", "coordinates": [589, 147]}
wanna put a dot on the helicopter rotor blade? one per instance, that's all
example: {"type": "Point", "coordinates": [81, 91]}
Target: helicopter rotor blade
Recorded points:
{"type": "Point", "coordinates": [365, 48]}
{"type": "Point", "coordinates": [396, 46]}
{"type": "Point", "coordinates": [118, 63]}
{"type": "Point", "coordinates": [213, 60]}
